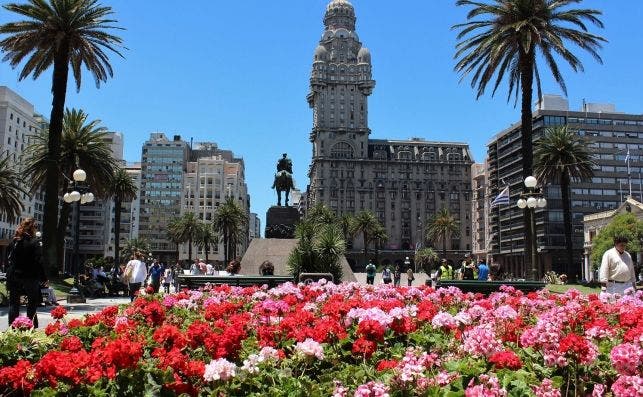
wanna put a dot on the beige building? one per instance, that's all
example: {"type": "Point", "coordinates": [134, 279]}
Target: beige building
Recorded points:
{"type": "Point", "coordinates": [593, 224]}
{"type": "Point", "coordinates": [404, 182]}
{"type": "Point", "coordinates": [209, 181]}
{"type": "Point", "coordinates": [480, 212]}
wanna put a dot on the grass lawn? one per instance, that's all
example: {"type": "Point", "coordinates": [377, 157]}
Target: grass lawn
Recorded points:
{"type": "Point", "coordinates": [562, 288]}
{"type": "Point", "coordinates": [61, 287]}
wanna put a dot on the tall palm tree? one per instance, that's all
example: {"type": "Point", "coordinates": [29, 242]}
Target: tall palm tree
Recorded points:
{"type": "Point", "coordinates": [562, 156]}
{"type": "Point", "coordinates": [206, 238]}
{"type": "Point", "coordinates": [425, 258]}
{"type": "Point", "coordinates": [442, 226]}
{"type": "Point", "coordinates": [62, 34]}
{"type": "Point", "coordinates": [379, 237]}
{"type": "Point", "coordinates": [135, 245]}
{"type": "Point", "coordinates": [83, 145]}
{"type": "Point", "coordinates": [122, 188]}
{"type": "Point", "coordinates": [11, 190]}
{"type": "Point", "coordinates": [184, 229]}
{"type": "Point", "coordinates": [228, 221]}
{"type": "Point", "coordinates": [365, 223]}
{"type": "Point", "coordinates": [502, 39]}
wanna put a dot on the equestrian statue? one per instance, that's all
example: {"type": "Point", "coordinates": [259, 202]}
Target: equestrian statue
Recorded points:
{"type": "Point", "coordinates": [283, 179]}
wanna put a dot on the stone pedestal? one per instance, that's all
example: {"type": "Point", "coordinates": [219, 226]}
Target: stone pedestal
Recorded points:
{"type": "Point", "coordinates": [281, 221]}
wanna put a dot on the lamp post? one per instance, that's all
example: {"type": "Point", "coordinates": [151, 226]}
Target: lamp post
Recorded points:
{"type": "Point", "coordinates": [530, 200]}
{"type": "Point", "coordinates": [80, 194]}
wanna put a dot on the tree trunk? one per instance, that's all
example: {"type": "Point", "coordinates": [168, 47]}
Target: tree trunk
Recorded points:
{"type": "Point", "coordinates": [117, 230]}
{"type": "Point", "coordinates": [444, 246]}
{"type": "Point", "coordinates": [365, 247]}
{"type": "Point", "coordinates": [207, 251]}
{"type": "Point", "coordinates": [570, 268]}
{"type": "Point", "coordinates": [63, 222]}
{"type": "Point", "coordinates": [225, 247]}
{"type": "Point", "coordinates": [190, 249]}
{"type": "Point", "coordinates": [526, 64]}
{"type": "Point", "coordinates": [50, 211]}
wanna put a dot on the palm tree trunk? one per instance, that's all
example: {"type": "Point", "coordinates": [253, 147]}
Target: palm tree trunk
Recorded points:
{"type": "Point", "coordinates": [190, 249]}
{"type": "Point", "coordinates": [526, 64]}
{"type": "Point", "coordinates": [225, 247]}
{"type": "Point", "coordinates": [61, 231]}
{"type": "Point", "coordinates": [365, 247]}
{"type": "Point", "coordinates": [50, 211]}
{"type": "Point", "coordinates": [117, 230]}
{"type": "Point", "coordinates": [207, 251]}
{"type": "Point", "coordinates": [570, 269]}
{"type": "Point", "coordinates": [444, 246]}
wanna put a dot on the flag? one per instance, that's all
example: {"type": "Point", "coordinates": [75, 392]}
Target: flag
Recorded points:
{"type": "Point", "coordinates": [627, 158]}
{"type": "Point", "coordinates": [503, 198]}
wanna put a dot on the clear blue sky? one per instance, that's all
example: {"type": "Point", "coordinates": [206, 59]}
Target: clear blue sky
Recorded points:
{"type": "Point", "coordinates": [237, 72]}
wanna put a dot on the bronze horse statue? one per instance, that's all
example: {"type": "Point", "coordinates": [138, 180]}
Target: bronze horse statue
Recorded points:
{"type": "Point", "coordinates": [283, 183]}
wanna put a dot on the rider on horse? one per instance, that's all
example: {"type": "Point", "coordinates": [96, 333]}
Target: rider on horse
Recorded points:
{"type": "Point", "coordinates": [283, 178]}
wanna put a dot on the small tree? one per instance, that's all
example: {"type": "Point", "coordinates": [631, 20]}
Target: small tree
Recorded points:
{"type": "Point", "coordinates": [185, 229]}
{"type": "Point", "coordinates": [442, 226]}
{"type": "Point", "coordinates": [626, 225]}
{"type": "Point", "coordinates": [425, 258]}
{"type": "Point", "coordinates": [206, 238]}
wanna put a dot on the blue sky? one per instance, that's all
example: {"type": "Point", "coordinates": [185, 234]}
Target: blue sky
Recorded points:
{"type": "Point", "coordinates": [237, 72]}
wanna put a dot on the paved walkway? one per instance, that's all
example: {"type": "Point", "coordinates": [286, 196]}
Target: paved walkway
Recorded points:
{"type": "Point", "coordinates": [78, 310]}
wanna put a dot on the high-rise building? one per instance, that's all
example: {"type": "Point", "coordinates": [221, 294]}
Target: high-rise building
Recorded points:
{"type": "Point", "coordinates": [611, 137]}
{"type": "Point", "coordinates": [254, 227]}
{"type": "Point", "coordinates": [480, 212]}
{"type": "Point", "coordinates": [18, 121]}
{"type": "Point", "coordinates": [163, 165]}
{"type": "Point", "coordinates": [404, 182]}
{"type": "Point", "coordinates": [209, 181]}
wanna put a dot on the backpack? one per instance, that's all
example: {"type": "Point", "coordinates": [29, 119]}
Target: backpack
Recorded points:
{"type": "Point", "coordinates": [11, 258]}
{"type": "Point", "coordinates": [386, 274]}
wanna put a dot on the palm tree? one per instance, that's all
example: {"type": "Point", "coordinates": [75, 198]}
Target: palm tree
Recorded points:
{"type": "Point", "coordinates": [228, 221]}
{"type": "Point", "coordinates": [83, 145]}
{"type": "Point", "coordinates": [562, 156]}
{"type": "Point", "coordinates": [135, 245]}
{"type": "Point", "coordinates": [379, 237]}
{"type": "Point", "coordinates": [185, 229]}
{"type": "Point", "coordinates": [425, 258]}
{"type": "Point", "coordinates": [366, 223]}
{"type": "Point", "coordinates": [11, 190]}
{"type": "Point", "coordinates": [442, 226]}
{"type": "Point", "coordinates": [206, 238]}
{"type": "Point", "coordinates": [346, 225]}
{"type": "Point", "coordinates": [122, 188]}
{"type": "Point", "coordinates": [62, 33]}
{"type": "Point", "coordinates": [502, 38]}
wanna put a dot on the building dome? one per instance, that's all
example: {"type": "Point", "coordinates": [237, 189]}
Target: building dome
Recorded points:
{"type": "Point", "coordinates": [321, 54]}
{"type": "Point", "coordinates": [364, 55]}
{"type": "Point", "coordinates": [340, 14]}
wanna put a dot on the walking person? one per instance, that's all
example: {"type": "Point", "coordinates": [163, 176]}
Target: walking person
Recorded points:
{"type": "Point", "coordinates": [168, 279]}
{"type": "Point", "coordinates": [155, 276]}
{"type": "Point", "coordinates": [386, 275]}
{"type": "Point", "coordinates": [617, 270]}
{"type": "Point", "coordinates": [370, 273]}
{"type": "Point", "coordinates": [135, 273]}
{"type": "Point", "coordinates": [25, 271]}
{"type": "Point", "coordinates": [483, 270]}
{"type": "Point", "coordinates": [409, 276]}
{"type": "Point", "coordinates": [397, 276]}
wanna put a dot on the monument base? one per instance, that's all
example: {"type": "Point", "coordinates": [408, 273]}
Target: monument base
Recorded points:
{"type": "Point", "coordinates": [281, 221]}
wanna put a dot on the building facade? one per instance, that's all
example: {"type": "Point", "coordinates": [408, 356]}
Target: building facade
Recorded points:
{"type": "Point", "coordinates": [18, 121]}
{"type": "Point", "coordinates": [163, 167]}
{"type": "Point", "coordinates": [611, 136]}
{"type": "Point", "coordinates": [479, 212]}
{"type": "Point", "coordinates": [404, 182]}
{"type": "Point", "coordinates": [254, 227]}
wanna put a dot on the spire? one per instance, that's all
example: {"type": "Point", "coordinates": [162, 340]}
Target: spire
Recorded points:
{"type": "Point", "coordinates": [340, 14]}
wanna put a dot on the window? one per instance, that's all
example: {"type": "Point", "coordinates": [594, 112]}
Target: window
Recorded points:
{"type": "Point", "coordinates": [342, 150]}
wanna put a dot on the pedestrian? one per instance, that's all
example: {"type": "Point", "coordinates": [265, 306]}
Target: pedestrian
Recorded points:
{"type": "Point", "coordinates": [409, 276]}
{"type": "Point", "coordinates": [445, 271]}
{"type": "Point", "coordinates": [617, 270]}
{"type": "Point", "coordinates": [135, 274]}
{"type": "Point", "coordinates": [25, 271]}
{"type": "Point", "coordinates": [386, 275]}
{"type": "Point", "coordinates": [233, 267]}
{"type": "Point", "coordinates": [483, 270]}
{"type": "Point", "coordinates": [155, 276]}
{"type": "Point", "coordinates": [168, 279]}
{"type": "Point", "coordinates": [370, 273]}
{"type": "Point", "coordinates": [267, 268]}
{"type": "Point", "coordinates": [397, 276]}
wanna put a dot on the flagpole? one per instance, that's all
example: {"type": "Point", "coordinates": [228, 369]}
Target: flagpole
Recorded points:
{"type": "Point", "coordinates": [629, 177]}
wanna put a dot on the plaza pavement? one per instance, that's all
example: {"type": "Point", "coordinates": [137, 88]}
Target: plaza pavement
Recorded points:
{"type": "Point", "coordinates": [78, 310]}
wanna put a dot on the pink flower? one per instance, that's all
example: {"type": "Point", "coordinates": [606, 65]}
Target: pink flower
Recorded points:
{"type": "Point", "coordinates": [546, 389]}
{"type": "Point", "coordinates": [599, 390]}
{"type": "Point", "coordinates": [627, 358]}
{"type": "Point", "coordinates": [490, 387]}
{"type": "Point", "coordinates": [22, 323]}
{"type": "Point", "coordinates": [310, 348]}
{"type": "Point", "coordinates": [372, 389]}
{"type": "Point", "coordinates": [481, 341]}
{"type": "Point", "coordinates": [220, 369]}
{"type": "Point", "coordinates": [444, 320]}
{"type": "Point", "coordinates": [628, 386]}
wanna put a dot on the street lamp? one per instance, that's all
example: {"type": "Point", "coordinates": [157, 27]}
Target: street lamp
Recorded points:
{"type": "Point", "coordinates": [79, 194]}
{"type": "Point", "coordinates": [530, 200]}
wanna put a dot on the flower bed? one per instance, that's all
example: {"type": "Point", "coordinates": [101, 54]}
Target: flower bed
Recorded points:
{"type": "Point", "coordinates": [336, 340]}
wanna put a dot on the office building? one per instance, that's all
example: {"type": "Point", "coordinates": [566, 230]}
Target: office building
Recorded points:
{"type": "Point", "coordinates": [254, 227]}
{"type": "Point", "coordinates": [404, 182]}
{"type": "Point", "coordinates": [611, 136]}
{"type": "Point", "coordinates": [480, 212]}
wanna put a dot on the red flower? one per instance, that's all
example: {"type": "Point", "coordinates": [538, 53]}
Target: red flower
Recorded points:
{"type": "Point", "coordinates": [384, 365]}
{"type": "Point", "coordinates": [371, 330]}
{"type": "Point", "coordinates": [506, 359]}
{"type": "Point", "coordinates": [170, 336]}
{"type": "Point", "coordinates": [58, 312]}
{"type": "Point", "coordinates": [19, 377]}
{"type": "Point", "coordinates": [149, 289]}
{"type": "Point", "coordinates": [71, 344]}
{"type": "Point", "coordinates": [364, 347]}
{"type": "Point", "coordinates": [574, 345]}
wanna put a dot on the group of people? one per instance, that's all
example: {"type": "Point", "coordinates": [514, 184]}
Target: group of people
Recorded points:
{"type": "Point", "coordinates": [389, 276]}
{"type": "Point", "coordinates": [468, 270]}
{"type": "Point", "coordinates": [136, 274]}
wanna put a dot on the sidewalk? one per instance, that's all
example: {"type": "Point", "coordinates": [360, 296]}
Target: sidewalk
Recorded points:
{"type": "Point", "coordinates": [75, 310]}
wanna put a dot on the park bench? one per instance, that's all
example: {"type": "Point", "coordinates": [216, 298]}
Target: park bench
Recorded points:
{"type": "Point", "coordinates": [194, 281]}
{"type": "Point", "coordinates": [487, 287]}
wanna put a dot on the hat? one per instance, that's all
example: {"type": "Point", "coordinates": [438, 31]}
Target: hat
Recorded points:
{"type": "Point", "coordinates": [443, 260]}
{"type": "Point", "coordinates": [407, 258]}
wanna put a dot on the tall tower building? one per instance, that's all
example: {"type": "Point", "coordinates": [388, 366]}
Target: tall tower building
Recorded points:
{"type": "Point", "coordinates": [403, 182]}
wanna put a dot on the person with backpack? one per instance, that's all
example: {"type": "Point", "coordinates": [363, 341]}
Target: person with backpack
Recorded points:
{"type": "Point", "coordinates": [25, 271]}
{"type": "Point", "coordinates": [397, 276]}
{"type": "Point", "coordinates": [386, 275]}
{"type": "Point", "coordinates": [370, 273]}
